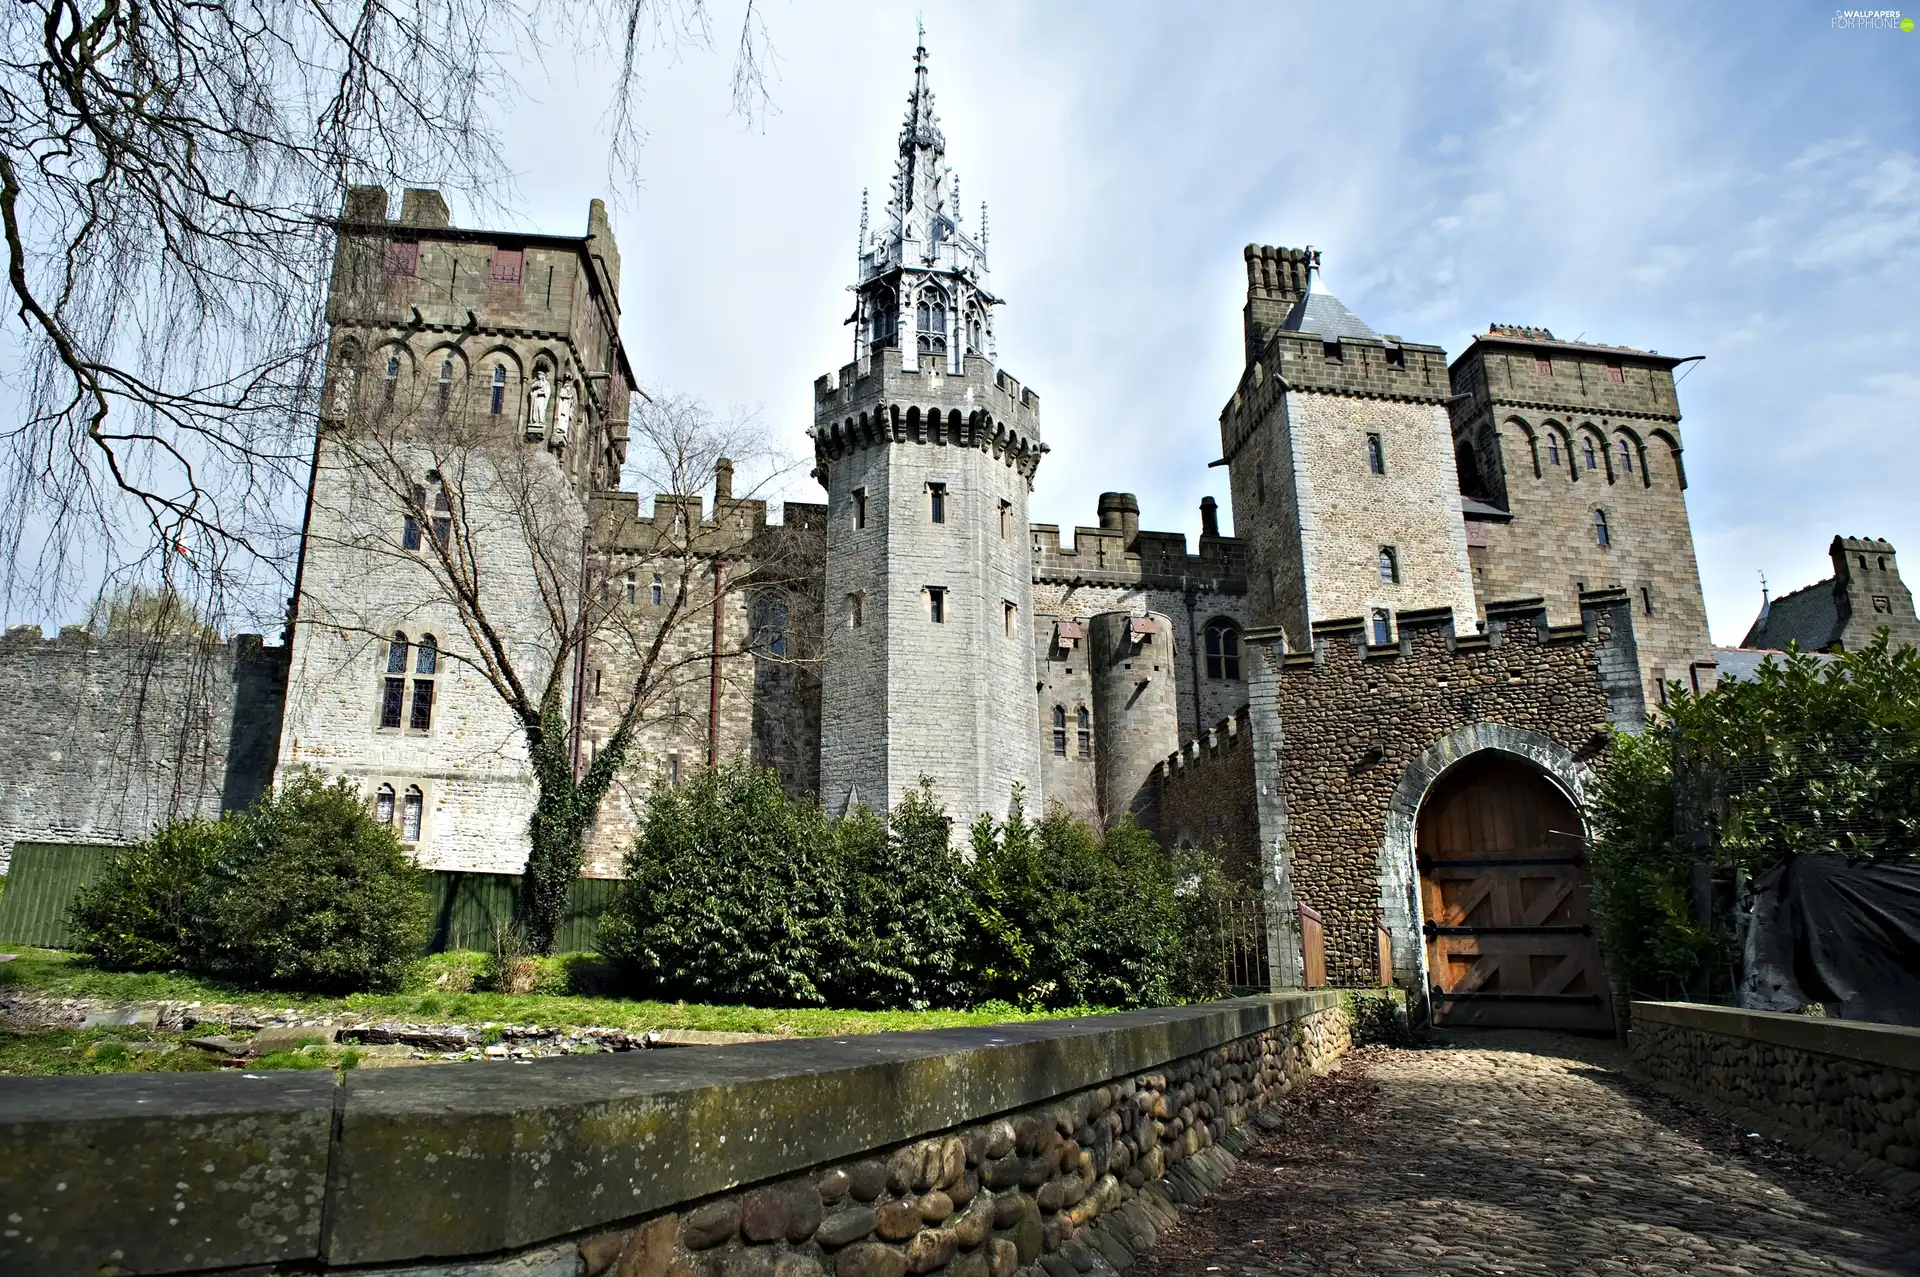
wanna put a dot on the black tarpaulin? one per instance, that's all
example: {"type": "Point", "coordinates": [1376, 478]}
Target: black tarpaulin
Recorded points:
{"type": "Point", "coordinates": [1838, 931]}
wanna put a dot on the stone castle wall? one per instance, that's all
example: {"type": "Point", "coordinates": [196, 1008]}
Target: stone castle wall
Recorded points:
{"type": "Point", "coordinates": [1207, 797]}
{"type": "Point", "coordinates": [107, 736]}
{"type": "Point", "coordinates": [979, 1152]}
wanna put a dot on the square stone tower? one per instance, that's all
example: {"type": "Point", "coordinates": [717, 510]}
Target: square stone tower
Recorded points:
{"type": "Point", "coordinates": [1341, 463]}
{"type": "Point", "coordinates": [927, 451]}
{"type": "Point", "coordinates": [1570, 472]}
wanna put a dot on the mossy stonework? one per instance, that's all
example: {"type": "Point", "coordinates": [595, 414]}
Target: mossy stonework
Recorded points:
{"type": "Point", "coordinates": [973, 1151]}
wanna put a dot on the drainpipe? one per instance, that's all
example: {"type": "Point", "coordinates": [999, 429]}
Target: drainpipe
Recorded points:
{"type": "Point", "coordinates": [1193, 655]}
{"type": "Point", "coordinates": [579, 708]}
{"type": "Point", "coordinates": [713, 667]}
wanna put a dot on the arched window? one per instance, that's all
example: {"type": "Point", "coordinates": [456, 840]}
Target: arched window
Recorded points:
{"type": "Point", "coordinates": [1222, 643]}
{"type": "Point", "coordinates": [1060, 731]}
{"type": "Point", "coordinates": [933, 312]}
{"type": "Point", "coordinates": [445, 390]}
{"type": "Point", "coordinates": [1626, 457]}
{"type": "Point", "coordinates": [1601, 535]}
{"type": "Point", "coordinates": [1553, 448]}
{"type": "Point", "coordinates": [1084, 722]}
{"type": "Point", "coordinates": [976, 334]}
{"type": "Point", "coordinates": [426, 664]}
{"type": "Point", "coordinates": [1593, 457]}
{"type": "Point", "coordinates": [498, 404]}
{"type": "Point", "coordinates": [1389, 565]}
{"type": "Point", "coordinates": [1376, 455]}
{"type": "Point", "coordinates": [383, 805]}
{"type": "Point", "coordinates": [393, 689]}
{"type": "Point", "coordinates": [390, 386]}
{"type": "Point", "coordinates": [442, 517]}
{"type": "Point", "coordinates": [410, 815]}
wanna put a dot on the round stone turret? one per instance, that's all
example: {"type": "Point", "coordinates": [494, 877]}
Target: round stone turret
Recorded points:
{"type": "Point", "coordinates": [1136, 714]}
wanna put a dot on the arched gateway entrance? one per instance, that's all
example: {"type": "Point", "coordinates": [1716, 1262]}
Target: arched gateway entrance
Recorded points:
{"type": "Point", "coordinates": [1502, 884]}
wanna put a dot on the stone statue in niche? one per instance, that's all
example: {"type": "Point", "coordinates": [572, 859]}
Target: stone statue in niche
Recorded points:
{"type": "Point", "coordinates": [537, 399]}
{"type": "Point", "coordinates": [563, 414]}
{"type": "Point", "coordinates": [346, 379]}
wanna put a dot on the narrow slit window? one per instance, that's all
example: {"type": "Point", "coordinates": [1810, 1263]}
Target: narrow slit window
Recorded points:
{"type": "Point", "coordinates": [442, 518]}
{"type": "Point", "coordinates": [1626, 457]}
{"type": "Point", "coordinates": [1083, 724]}
{"type": "Point", "coordinates": [1553, 449]}
{"type": "Point", "coordinates": [1646, 600]}
{"type": "Point", "coordinates": [1593, 454]}
{"type": "Point", "coordinates": [1376, 454]}
{"type": "Point", "coordinates": [856, 610]}
{"type": "Point", "coordinates": [936, 605]}
{"type": "Point", "coordinates": [633, 587]}
{"type": "Point", "coordinates": [859, 508]}
{"type": "Point", "coordinates": [1008, 612]}
{"type": "Point", "coordinates": [659, 590]}
{"type": "Point", "coordinates": [1060, 731]}
{"type": "Point", "coordinates": [937, 501]}
{"type": "Point", "coordinates": [1389, 565]}
{"type": "Point", "coordinates": [1006, 519]}
{"type": "Point", "coordinates": [390, 385]}
{"type": "Point", "coordinates": [410, 815]}
{"type": "Point", "coordinates": [445, 390]}
{"type": "Point", "coordinates": [1602, 536]}
{"type": "Point", "coordinates": [498, 403]}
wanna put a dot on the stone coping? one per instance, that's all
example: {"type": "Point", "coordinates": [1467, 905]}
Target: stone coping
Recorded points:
{"type": "Point", "coordinates": [193, 1172]}
{"type": "Point", "coordinates": [1887, 1045]}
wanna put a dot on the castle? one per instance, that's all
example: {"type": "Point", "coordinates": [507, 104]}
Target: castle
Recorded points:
{"type": "Point", "coordinates": [1446, 579]}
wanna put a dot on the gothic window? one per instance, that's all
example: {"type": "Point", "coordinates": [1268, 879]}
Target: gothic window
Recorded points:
{"type": "Point", "coordinates": [1222, 644]}
{"type": "Point", "coordinates": [383, 805]}
{"type": "Point", "coordinates": [1601, 535]}
{"type": "Point", "coordinates": [1060, 731]}
{"type": "Point", "coordinates": [410, 814]}
{"type": "Point", "coordinates": [1626, 457]}
{"type": "Point", "coordinates": [659, 589]}
{"type": "Point", "coordinates": [427, 656]}
{"type": "Point", "coordinates": [442, 517]}
{"type": "Point", "coordinates": [933, 312]}
{"type": "Point", "coordinates": [1389, 565]}
{"type": "Point", "coordinates": [410, 524]}
{"type": "Point", "coordinates": [936, 605]}
{"type": "Point", "coordinates": [883, 314]}
{"type": "Point", "coordinates": [508, 264]}
{"type": "Point", "coordinates": [393, 689]}
{"type": "Point", "coordinates": [1593, 455]}
{"type": "Point", "coordinates": [1376, 455]}
{"type": "Point", "coordinates": [1382, 627]}
{"type": "Point", "coordinates": [937, 501]}
{"type": "Point", "coordinates": [1083, 724]}
{"type": "Point", "coordinates": [444, 392]}
{"type": "Point", "coordinates": [498, 403]}
{"type": "Point", "coordinates": [976, 334]}
{"type": "Point", "coordinates": [1553, 449]}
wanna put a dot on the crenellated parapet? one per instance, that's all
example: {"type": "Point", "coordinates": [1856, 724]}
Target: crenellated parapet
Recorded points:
{"type": "Point", "coordinates": [1120, 553]}
{"type": "Point", "coordinates": [877, 401]}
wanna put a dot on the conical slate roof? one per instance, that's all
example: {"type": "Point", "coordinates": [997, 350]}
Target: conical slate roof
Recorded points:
{"type": "Point", "coordinates": [1323, 313]}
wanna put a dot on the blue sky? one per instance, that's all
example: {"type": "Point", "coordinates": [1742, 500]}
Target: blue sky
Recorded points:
{"type": "Point", "coordinates": [1739, 182]}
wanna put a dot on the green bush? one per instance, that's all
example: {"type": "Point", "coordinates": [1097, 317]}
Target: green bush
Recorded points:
{"type": "Point", "coordinates": [733, 894]}
{"type": "Point", "coordinates": [145, 912]}
{"type": "Point", "coordinates": [903, 908]}
{"type": "Point", "coordinates": [313, 893]}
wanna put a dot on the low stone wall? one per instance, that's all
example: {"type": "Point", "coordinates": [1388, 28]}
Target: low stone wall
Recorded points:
{"type": "Point", "coordinates": [972, 1152]}
{"type": "Point", "coordinates": [1845, 1091]}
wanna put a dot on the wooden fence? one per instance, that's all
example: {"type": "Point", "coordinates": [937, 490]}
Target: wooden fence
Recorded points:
{"type": "Point", "coordinates": [464, 907]}
{"type": "Point", "coordinates": [1313, 949]}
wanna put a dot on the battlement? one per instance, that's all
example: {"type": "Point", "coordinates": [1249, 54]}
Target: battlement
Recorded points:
{"type": "Point", "coordinates": [1360, 367]}
{"type": "Point", "coordinates": [685, 523]}
{"type": "Point", "coordinates": [877, 401]}
{"type": "Point", "coordinates": [73, 638]}
{"type": "Point", "coordinates": [1118, 552]}
{"type": "Point", "coordinates": [1862, 545]}
{"type": "Point", "coordinates": [1230, 733]}
{"type": "Point", "coordinates": [1276, 277]}
{"type": "Point", "coordinates": [1529, 368]}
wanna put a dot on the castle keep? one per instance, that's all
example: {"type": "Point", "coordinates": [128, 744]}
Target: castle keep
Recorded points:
{"type": "Point", "coordinates": [1382, 691]}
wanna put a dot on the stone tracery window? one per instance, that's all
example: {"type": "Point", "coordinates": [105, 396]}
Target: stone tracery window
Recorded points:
{"type": "Point", "coordinates": [426, 665]}
{"type": "Point", "coordinates": [393, 689]}
{"type": "Point", "coordinates": [1222, 643]}
{"type": "Point", "coordinates": [410, 813]}
{"type": "Point", "coordinates": [383, 805]}
{"type": "Point", "coordinates": [1060, 731]}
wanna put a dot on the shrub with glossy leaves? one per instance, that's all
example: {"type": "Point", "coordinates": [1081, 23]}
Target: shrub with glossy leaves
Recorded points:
{"type": "Point", "coordinates": [144, 912]}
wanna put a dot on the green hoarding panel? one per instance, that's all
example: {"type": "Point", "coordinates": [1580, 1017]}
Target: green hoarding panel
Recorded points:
{"type": "Point", "coordinates": [41, 884]}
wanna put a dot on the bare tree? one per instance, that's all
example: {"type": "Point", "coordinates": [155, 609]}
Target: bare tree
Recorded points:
{"type": "Point", "coordinates": [168, 174]}
{"type": "Point", "coordinates": [525, 581]}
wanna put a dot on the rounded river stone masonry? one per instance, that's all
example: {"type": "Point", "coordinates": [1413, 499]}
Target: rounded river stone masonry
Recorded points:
{"type": "Point", "coordinates": [1083, 1184]}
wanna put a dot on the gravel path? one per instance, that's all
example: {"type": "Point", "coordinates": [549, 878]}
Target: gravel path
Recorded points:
{"type": "Point", "coordinates": [1500, 1152]}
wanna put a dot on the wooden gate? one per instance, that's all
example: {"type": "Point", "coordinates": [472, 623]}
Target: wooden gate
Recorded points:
{"type": "Point", "coordinates": [1502, 875]}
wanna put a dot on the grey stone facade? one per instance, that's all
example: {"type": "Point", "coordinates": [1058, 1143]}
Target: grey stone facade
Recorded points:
{"type": "Point", "coordinates": [1844, 612]}
{"type": "Point", "coordinates": [109, 735]}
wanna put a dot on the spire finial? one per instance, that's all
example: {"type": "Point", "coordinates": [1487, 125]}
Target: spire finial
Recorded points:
{"type": "Point", "coordinates": [862, 247]}
{"type": "Point", "coordinates": [920, 41]}
{"type": "Point", "coordinates": [983, 226]}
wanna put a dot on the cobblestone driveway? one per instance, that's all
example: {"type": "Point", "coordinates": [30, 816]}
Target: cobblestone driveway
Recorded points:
{"type": "Point", "coordinates": [1504, 1152]}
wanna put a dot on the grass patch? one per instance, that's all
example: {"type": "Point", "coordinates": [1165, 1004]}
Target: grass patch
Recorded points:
{"type": "Point", "coordinates": [56, 973]}
{"type": "Point", "coordinates": [76, 1052]}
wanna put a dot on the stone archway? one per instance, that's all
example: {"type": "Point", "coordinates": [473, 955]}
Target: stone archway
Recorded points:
{"type": "Point", "coordinates": [1401, 906]}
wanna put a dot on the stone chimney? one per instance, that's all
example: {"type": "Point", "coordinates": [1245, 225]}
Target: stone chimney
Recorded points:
{"type": "Point", "coordinates": [1209, 517]}
{"type": "Point", "coordinates": [1120, 512]}
{"type": "Point", "coordinates": [424, 207]}
{"type": "Point", "coordinates": [365, 204]}
{"type": "Point", "coordinates": [722, 480]}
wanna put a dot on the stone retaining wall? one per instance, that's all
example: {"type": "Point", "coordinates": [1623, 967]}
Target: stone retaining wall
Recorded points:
{"type": "Point", "coordinates": [1845, 1091]}
{"type": "Point", "coordinates": [1042, 1147]}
